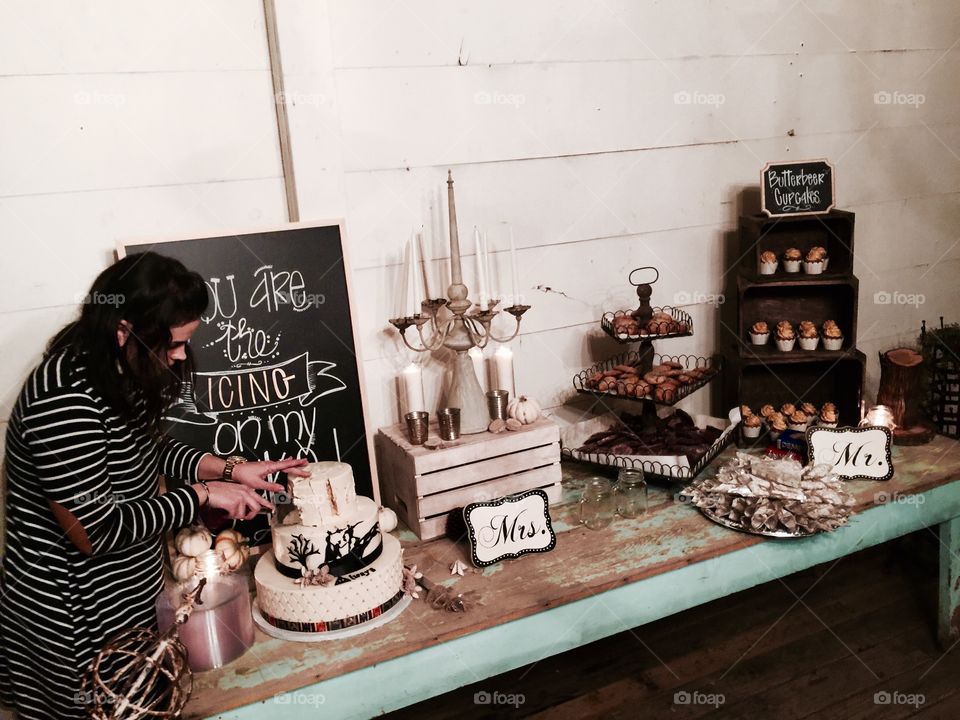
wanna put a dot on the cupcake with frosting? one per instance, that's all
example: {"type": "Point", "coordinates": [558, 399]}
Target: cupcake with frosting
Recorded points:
{"type": "Point", "coordinates": [751, 427]}
{"type": "Point", "coordinates": [816, 261]}
{"type": "Point", "coordinates": [809, 337]}
{"type": "Point", "coordinates": [745, 412]}
{"type": "Point", "coordinates": [809, 409]}
{"type": "Point", "coordinates": [788, 409]}
{"type": "Point", "coordinates": [777, 425]}
{"type": "Point", "coordinates": [828, 415]}
{"type": "Point", "coordinates": [832, 336]}
{"type": "Point", "coordinates": [791, 260]}
{"type": "Point", "coordinates": [786, 336]}
{"type": "Point", "coordinates": [768, 262]}
{"type": "Point", "coordinates": [798, 421]}
{"type": "Point", "coordinates": [759, 333]}
{"type": "Point", "coordinates": [766, 411]}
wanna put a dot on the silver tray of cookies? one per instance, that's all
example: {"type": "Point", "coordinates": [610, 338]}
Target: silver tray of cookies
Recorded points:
{"type": "Point", "coordinates": [665, 322]}
{"type": "Point", "coordinates": [670, 378]}
{"type": "Point", "coordinates": [743, 527]}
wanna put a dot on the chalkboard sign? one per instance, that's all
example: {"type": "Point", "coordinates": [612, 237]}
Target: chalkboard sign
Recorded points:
{"type": "Point", "coordinates": [277, 369]}
{"type": "Point", "coordinates": [801, 187]}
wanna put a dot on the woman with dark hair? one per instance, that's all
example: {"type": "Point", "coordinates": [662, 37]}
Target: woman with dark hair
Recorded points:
{"type": "Point", "coordinates": [85, 517]}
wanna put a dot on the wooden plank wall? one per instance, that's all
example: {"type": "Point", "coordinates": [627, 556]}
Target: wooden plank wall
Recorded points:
{"type": "Point", "coordinates": [562, 119]}
{"type": "Point", "coordinates": [567, 121]}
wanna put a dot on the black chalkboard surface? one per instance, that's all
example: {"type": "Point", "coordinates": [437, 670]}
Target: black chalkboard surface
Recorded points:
{"type": "Point", "coordinates": [800, 187]}
{"type": "Point", "coordinates": [278, 373]}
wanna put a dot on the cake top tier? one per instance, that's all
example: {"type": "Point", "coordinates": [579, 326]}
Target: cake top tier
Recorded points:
{"type": "Point", "coordinates": [328, 492]}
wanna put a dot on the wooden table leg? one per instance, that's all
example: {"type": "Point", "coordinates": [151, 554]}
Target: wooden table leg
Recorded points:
{"type": "Point", "coordinates": [948, 629]}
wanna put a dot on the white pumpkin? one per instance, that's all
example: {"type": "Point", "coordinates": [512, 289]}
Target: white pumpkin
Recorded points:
{"type": "Point", "coordinates": [229, 536]}
{"type": "Point", "coordinates": [184, 567]}
{"type": "Point", "coordinates": [193, 540]}
{"type": "Point", "coordinates": [524, 409]}
{"type": "Point", "coordinates": [232, 555]}
{"type": "Point", "coordinates": [387, 519]}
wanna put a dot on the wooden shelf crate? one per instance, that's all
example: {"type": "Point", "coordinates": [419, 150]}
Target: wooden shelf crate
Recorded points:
{"type": "Point", "coordinates": [833, 231]}
{"type": "Point", "coordinates": [425, 486]}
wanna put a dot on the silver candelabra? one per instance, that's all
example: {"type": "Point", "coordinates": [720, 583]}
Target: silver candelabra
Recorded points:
{"type": "Point", "coordinates": [459, 329]}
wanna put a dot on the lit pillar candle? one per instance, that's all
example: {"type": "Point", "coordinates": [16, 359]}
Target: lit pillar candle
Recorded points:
{"type": "Point", "coordinates": [479, 366]}
{"type": "Point", "coordinates": [413, 387]}
{"type": "Point", "coordinates": [503, 358]}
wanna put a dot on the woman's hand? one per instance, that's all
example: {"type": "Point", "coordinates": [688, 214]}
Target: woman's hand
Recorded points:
{"type": "Point", "coordinates": [254, 474]}
{"type": "Point", "coordinates": [239, 502]}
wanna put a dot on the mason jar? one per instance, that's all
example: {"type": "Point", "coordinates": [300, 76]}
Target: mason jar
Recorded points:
{"type": "Point", "coordinates": [597, 504]}
{"type": "Point", "coordinates": [631, 493]}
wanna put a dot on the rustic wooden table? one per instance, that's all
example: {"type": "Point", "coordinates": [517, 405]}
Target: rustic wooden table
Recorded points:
{"type": "Point", "coordinates": [594, 584]}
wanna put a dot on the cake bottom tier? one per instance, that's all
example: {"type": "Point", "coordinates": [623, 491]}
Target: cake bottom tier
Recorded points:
{"type": "Point", "coordinates": [355, 598]}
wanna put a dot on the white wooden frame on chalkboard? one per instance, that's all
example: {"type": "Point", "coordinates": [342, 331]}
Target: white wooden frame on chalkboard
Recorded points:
{"type": "Point", "coordinates": [812, 213]}
{"type": "Point", "coordinates": [144, 244]}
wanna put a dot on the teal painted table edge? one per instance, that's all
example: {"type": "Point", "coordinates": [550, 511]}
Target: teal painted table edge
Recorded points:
{"type": "Point", "coordinates": [424, 673]}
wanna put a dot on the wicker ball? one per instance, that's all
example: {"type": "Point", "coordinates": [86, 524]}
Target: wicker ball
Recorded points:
{"type": "Point", "coordinates": [138, 674]}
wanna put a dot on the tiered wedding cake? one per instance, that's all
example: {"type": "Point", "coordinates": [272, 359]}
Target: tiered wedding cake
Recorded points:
{"type": "Point", "coordinates": [331, 567]}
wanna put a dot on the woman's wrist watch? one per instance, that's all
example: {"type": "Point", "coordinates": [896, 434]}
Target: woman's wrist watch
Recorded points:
{"type": "Point", "coordinates": [230, 464]}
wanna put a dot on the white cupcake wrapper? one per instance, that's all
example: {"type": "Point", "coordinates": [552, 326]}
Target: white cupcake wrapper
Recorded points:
{"type": "Point", "coordinates": [759, 338]}
{"type": "Point", "coordinates": [809, 343]}
{"type": "Point", "coordinates": [786, 345]}
{"type": "Point", "coordinates": [751, 432]}
{"type": "Point", "coordinates": [832, 343]}
{"type": "Point", "coordinates": [791, 266]}
{"type": "Point", "coordinates": [813, 268]}
{"type": "Point", "coordinates": [768, 268]}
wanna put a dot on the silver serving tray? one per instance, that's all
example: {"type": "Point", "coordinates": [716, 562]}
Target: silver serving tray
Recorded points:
{"type": "Point", "coordinates": [728, 523]}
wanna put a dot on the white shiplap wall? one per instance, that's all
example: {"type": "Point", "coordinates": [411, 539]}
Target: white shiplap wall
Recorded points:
{"type": "Point", "coordinates": [118, 119]}
{"type": "Point", "coordinates": [561, 120]}
{"type": "Point", "coordinates": [125, 118]}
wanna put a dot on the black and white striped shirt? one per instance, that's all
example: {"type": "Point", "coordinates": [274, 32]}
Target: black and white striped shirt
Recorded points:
{"type": "Point", "coordinates": [57, 606]}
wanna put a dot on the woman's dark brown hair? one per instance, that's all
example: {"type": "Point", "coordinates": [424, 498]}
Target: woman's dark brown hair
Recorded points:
{"type": "Point", "coordinates": [152, 293]}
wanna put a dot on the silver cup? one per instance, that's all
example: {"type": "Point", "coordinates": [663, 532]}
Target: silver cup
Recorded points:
{"type": "Point", "coordinates": [497, 401]}
{"type": "Point", "coordinates": [417, 426]}
{"type": "Point", "coordinates": [448, 420]}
